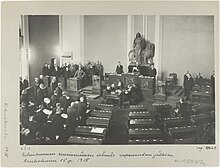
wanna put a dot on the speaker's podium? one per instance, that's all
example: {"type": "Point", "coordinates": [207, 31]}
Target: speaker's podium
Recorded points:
{"type": "Point", "coordinates": [73, 84]}
{"type": "Point", "coordinates": [96, 84]}
{"type": "Point", "coordinates": [160, 94]}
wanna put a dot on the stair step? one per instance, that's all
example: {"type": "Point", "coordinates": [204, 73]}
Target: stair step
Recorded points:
{"type": "Point", "coordinates": [180, 91]}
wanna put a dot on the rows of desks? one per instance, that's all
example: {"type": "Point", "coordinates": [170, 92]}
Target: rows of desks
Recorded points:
{"type": "Point", "coordinates": [95, 130]}
{"type": "Point", "coordinates": [142, 127]}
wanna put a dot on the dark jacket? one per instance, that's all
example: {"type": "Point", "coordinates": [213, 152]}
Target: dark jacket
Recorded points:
{"type": "Point", "coordinates": [119, 69]}
{"type": "Point", "coordinates": [40, 96]}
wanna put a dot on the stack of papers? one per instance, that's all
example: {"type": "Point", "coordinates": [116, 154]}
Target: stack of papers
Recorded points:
{"type": "Point", "coordinates": [97, 130]}
{"type": "Point", "coordinates": [48, 112]}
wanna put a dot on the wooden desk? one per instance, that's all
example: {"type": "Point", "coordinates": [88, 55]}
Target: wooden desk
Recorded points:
{"type": "Point", "coordinates": [73, 84]}
{"type": "Point", "coordinates": [139, 114]}
{"type": "Point", "coordinates": [141, 123]}
{"type": "Point", "coordinates": [191, 140]}
{"type": "Point", "coordinates": [146, 141]}
{"type": "Point", "coordinates": [138, 108]}
{"type": "Point", "coordinates": [102, 106]}
{"type": "Point", "coordinates": [200, 119]}
{"type": "Point", "coordinates": [202, 108]}
{"type": "Point", "coordinates": [175, 122]}
{"type": "Point", "coordinates": [163, 109]}
{"type": "Point", "coordinates": [88, 131]}
{"type": "Point", "coordinates": [98, 122]}
{"type": "Point", "coordinates": [144, 133]}
{"type": "Point", "coordinates": [113, 97]}
{"type": "Point", "coordinates": [202, 97]}
{"type": "Point", "coordinates": [78, 140]}
{"type": "Point", "coordinates": [185, 132]}
{"type": "Point", "coordinates": [101, 113]}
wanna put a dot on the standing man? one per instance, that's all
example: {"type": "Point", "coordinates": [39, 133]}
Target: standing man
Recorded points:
{"type": "Point", "coordinates": [119, 68]}
{"type": "Point", "coordinates": [152, 74]}
{"type": "Point", "coordinates": [79, 73]}
{"type": "Point", "coordinates": [188, 85]}
{"type": "Point", "coordinates": [45, 70]}
{"type": "Point", "coordinates": [199, 80]}
{"type": "Point", "coordinates": [40, 94]}
{"type": "Point", "coordinates": [213, 86]}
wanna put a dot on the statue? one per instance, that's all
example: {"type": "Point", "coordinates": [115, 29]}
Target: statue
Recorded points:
{"type": "Point", "coordinates": [142, 52]}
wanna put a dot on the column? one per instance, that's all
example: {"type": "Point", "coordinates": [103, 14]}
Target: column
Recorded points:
{"type": "Point", "coordinates": [130, 37]}
{"type": "Point", "coordinates": [158, 46]}
{"type": "Point", "coordinates": [145, 26]}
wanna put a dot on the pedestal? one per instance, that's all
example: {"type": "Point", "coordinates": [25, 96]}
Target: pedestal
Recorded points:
{"type": "Point", "coordinates": [160, 91]}
{"type": "Point", "coordinates": [146, 85]}
{"type": "Point", "coordinates": [115, 78]}
{"type": "Point", "coordinates": [130, 79]}
{"type": "Point", "coordinates": [73, 84]}
{"type": "Point", "coordinates": [96, 84]}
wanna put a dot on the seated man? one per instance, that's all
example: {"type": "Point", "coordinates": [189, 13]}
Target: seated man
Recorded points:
{"type": "Point", "coordinates": [119, 86]}
{"type": "Point", "coordinates": [135, 94]}
{"type": "Point", "coordinates": [183, 109]}
{"type": "Point", "coordinates": [72, 119]}
{"type": "Point", "coordinates": [106, 91]}
{"type": "Point", "coordinates": [112, 88]}
{"type": "Point", "coordinates": [59, 90]}
{"type": "Point", "coordinates": [63, 102]}
{"type": "Point", "coordinates": [41, 79]}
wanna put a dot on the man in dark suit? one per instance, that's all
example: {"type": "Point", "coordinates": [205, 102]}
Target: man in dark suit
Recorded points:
{"type": "Point", "coordinates": [40, 116]}
{"type": "Point", "coordinates": [58, 124]}
{"type": "Point", "coordinates": [56, 70]}
{"type": "Point", "coordinates": [48, 129]}
{"type": "Point", "coordinates": [45, 70]}
{"type": "Point", "coordinates": [40, 94]}
{"type": "Point", "coordinates": [35, 87]}
{"type": "Point", "coordinates": [63, 102]}
{"type": "Point", "coordinates": [53, 84]}
{"type": "Point", "coordinates": [82, 111]}
{"type": "Point", "coordinates": [72, 119]}
{"type": "Point", "coordinates": [213, 86]}
{"type": "Point", "coordinates": [183, 109]}
{"type": "Point", "coordinates": [21, 85]}
{"type": "Point", "coordinates": [54, 99]}
{"type": "Point", "coordinates": [188, 85]}
{"type": "Point", "coordinates": [199, 80]}
{"type": "Point", "coordinates": [119, 68]}
{"type": "Point", "coordinates": [25, 83]}
{"type": "Point", "coordinates": [49, 70]}
{"type": "Point", "coordinates": [152, 74]}
{"type": "Point", "coordinates": [66, 73]}
{"type": "Point", "coordinates": [59, 90]}
{"type": "Point", "coordinates": [33, 127]}
{"type": "Point", "coordinates": [79, 73]}
{"type": "Point", "coordinates": [41, 79]}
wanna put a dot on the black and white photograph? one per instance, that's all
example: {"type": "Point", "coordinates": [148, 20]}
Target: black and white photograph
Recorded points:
{"type": "Point", "coordinates": [110, 83]}
{"type": "Point", "coordinates": [116, 79]}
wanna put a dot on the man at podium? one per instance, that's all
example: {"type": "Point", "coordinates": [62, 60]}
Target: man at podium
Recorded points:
{"type": "Point", "coordinates": [79, 73]}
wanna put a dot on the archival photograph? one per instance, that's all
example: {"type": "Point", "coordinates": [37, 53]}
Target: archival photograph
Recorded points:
{"type": "Point", "coordinates": [116, 79]}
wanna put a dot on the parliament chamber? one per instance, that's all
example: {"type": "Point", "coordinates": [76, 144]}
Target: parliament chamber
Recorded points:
{"type": "Point", "coordinates": [85, 103]}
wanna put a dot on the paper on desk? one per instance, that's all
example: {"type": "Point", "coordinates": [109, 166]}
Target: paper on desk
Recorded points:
{"type": "Point", "coordinates": [48, 112]}
{"type": "Point", "coordinates": [97, 130]}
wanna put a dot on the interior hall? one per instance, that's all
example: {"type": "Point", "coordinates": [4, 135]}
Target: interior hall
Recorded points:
{"type": "Point", "coordinates": [116, 79]}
